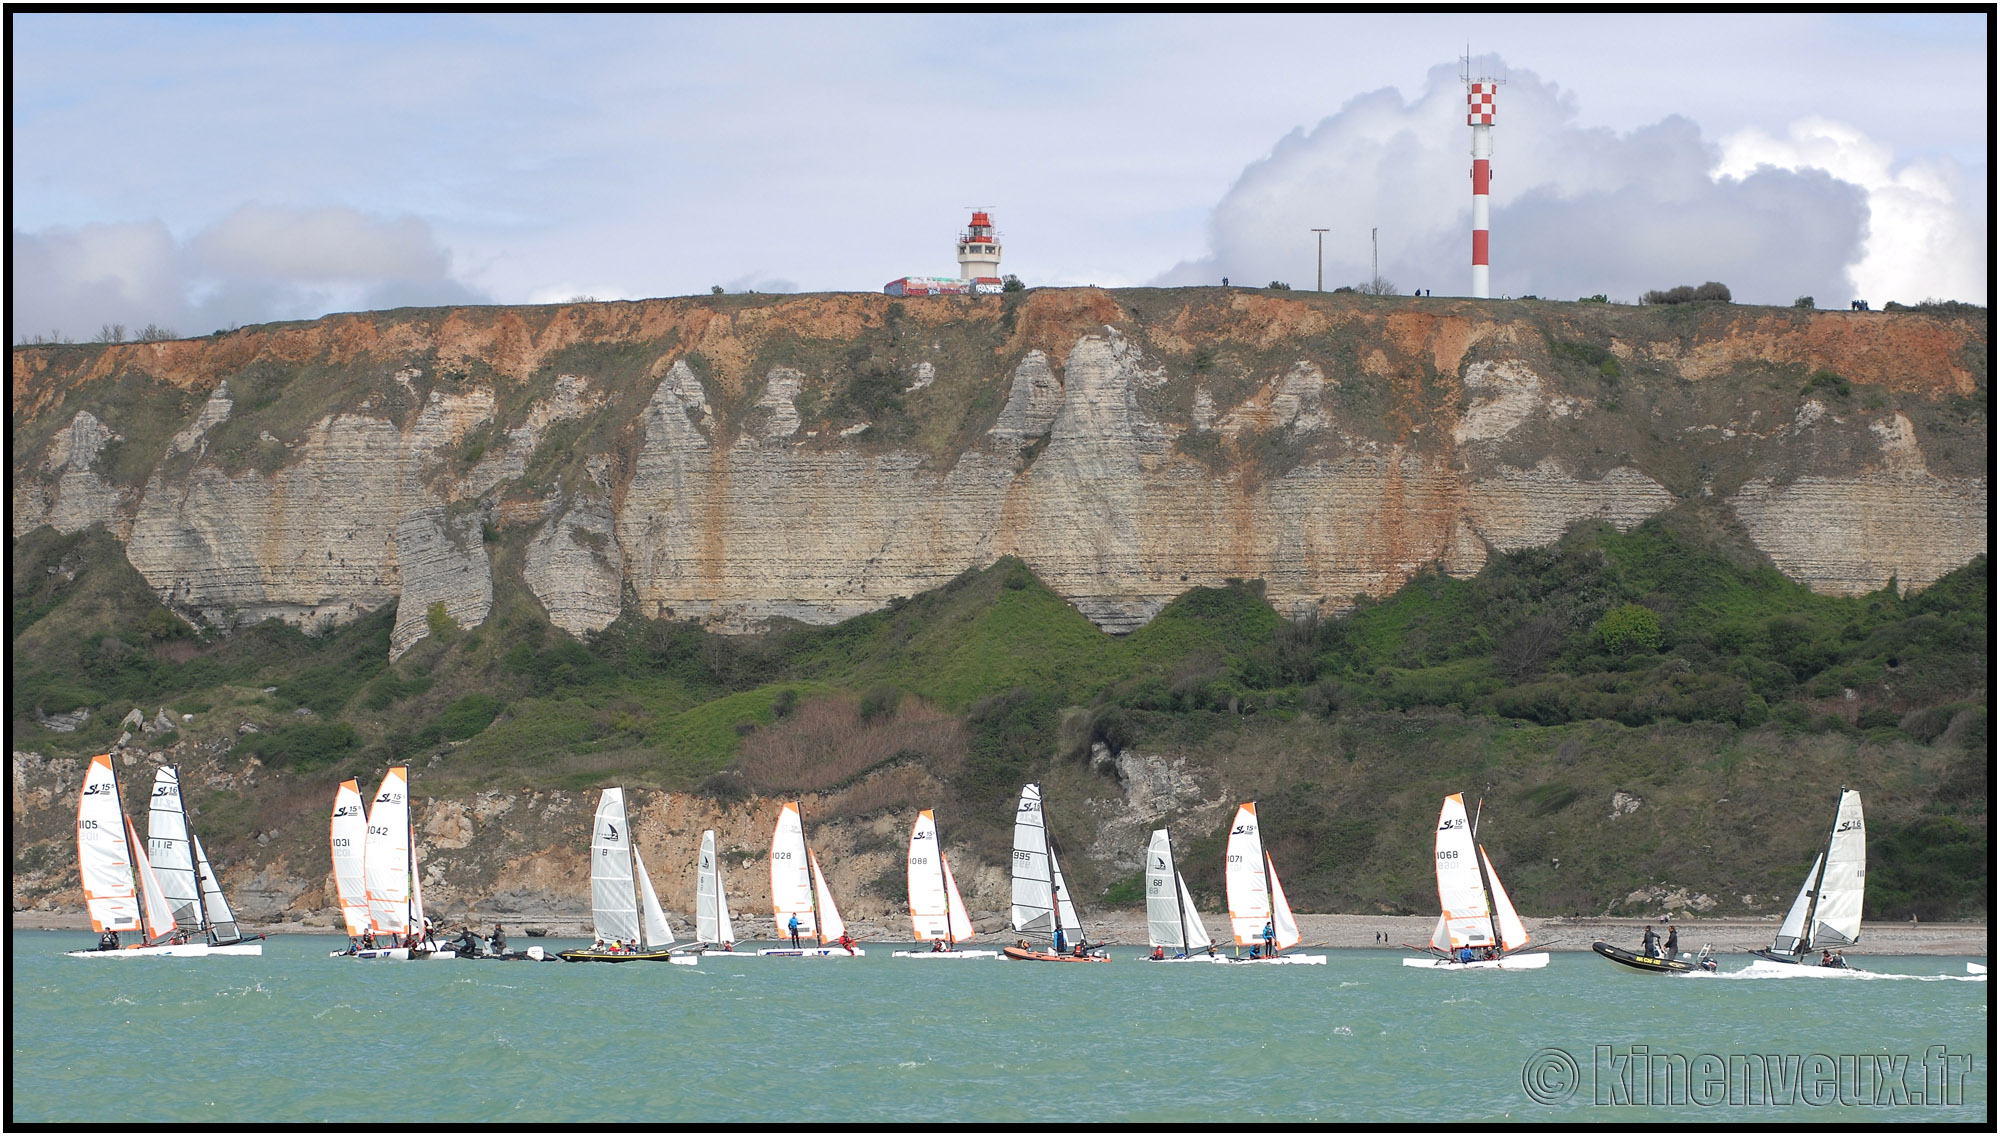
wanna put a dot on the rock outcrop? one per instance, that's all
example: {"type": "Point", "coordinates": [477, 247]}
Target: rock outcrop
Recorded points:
{"type": "Point", "coordinates": [816, 457]}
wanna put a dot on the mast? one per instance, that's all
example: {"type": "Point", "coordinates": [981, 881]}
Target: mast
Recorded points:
{"type": "Point", "coordinates": [132, 858]}
{"type": "Point", "coordinates": [200, 895]}
{"type": "Point", "coordinates": [410, 870]}
{"type": "Point", "coordinates": [812, 876]}
{"type": "Point", "coordinates": [944, 883]}
{"type": "Point", "coordinates": [1819, 879]}
{"type": "Point", "coordinates": [1270, 893]}
{"type": "Point", "coordinates": [1049, 847]}
{"type": "Point", "coordinates": [638, 897]}
{"type": "Point", "coordinates": [1174, 877]}
{"type": "Point", "coordinates": [1486, 884]}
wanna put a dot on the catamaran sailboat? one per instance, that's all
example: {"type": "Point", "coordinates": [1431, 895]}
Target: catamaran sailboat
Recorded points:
{"type": "Point", "coordinates": [1479, 929]}
{"type": "Point", "coordinates": [799, 891]}
{"type": "Point", "coordinates": [1827, 913]}
{"type": "Point", "coordinates": [712, 927]}
{"type": "Point", "coordinates": [1256, 900]}
{"type": "Point", "coordinates": [110, 858]}
{"type": "Point", "coordinates": [1172, 923]}
{"type": "Point", "coordinates": [1041, 898]}
{"type": "Point", "coordinates": [937, 914]}
{"type": "Point", "coordinates": [395, 887]}
{"type": "Point", "coordinates": [186, 879]}
{"type": "Point", "coordinates": [615, 905]}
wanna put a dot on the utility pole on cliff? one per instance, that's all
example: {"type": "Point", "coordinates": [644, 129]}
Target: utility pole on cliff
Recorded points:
{"type": "Point", "coordinates": [1320, 284]}
{"type": "Point", "coordinates": [1375, 260]}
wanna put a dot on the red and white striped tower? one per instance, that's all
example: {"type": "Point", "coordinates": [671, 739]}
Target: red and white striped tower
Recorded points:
{"type": "Point", "coordinates": [1479, 116]}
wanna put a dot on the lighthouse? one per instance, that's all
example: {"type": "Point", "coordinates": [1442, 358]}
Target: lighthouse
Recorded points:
{"type": "Point", "coordinates": [978, 252]}
{"type": "Point", "coordinates": [1479, 97]}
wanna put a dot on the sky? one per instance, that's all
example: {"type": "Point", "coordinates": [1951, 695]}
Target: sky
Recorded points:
{"type": "Point", "coordinates": [205, 171]}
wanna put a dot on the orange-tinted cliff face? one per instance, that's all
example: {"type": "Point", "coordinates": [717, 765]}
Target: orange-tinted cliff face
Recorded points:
{"type": "Point", "coordinates": [739, 458]}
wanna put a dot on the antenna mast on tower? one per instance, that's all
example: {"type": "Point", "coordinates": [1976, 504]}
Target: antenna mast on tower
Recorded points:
{"type": "Point", "coordinates": [1479, 104]}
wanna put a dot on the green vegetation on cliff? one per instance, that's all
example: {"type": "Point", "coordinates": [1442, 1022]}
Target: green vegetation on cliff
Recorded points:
{"type": "Point", "coordinates": [1666, 663]}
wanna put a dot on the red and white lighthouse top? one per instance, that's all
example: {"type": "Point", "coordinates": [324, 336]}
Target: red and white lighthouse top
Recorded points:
{"type": "Point", "coordinates": [981, 228]}
{"type": "Point", "coordinates": [1479, 103]}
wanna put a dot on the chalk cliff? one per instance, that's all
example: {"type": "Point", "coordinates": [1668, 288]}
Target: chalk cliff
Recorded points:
{"type": "Point", "coordinates": [738, 459]}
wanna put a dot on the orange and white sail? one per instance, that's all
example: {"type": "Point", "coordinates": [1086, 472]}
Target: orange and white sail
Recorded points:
{"type": "Point", "coordinates": [831, 926]}
{"type": "Point", "coordinates": [386, 856]}
{"type": "Point", "coordinates": [1243, 878]}
{"type": "Point", "coordinates": [1466, 921]}
{"type": "Point", "coordinates": [103, 853]}
{"type": "Point", "coordinates": [936, 911]}
{"type": "Point", "coordinates": [347, 834]}
{"type": "Point", "coordinates": [791, 877]}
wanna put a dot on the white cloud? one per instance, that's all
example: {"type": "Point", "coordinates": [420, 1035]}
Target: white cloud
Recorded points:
{"type": "Point", "coordinates": [256, 264]}
{"type": "Point", "coordinates": [1924, 240]}
{"type": "Point", "coordinates": [1575, 210]}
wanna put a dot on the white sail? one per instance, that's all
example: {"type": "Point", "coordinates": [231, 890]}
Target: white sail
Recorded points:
{"type": "Point", "coordinates": [168, 847]}
{"type": "Point", "coordinates": [1041, 896]}
{"type": "Point", "coordinates": [961, 923]}
{"type": "Point", "coordinates": [102, 854]}
{"type": "Point", "coordinates": [613, 909]}
{"type": "Point", "coordinates": [1243, 878]}
{"type": "Point", "coordinates": [1837, 916]}
{"type": "Point", "coordinates": [1513, 933]}
{"type": "Point", "coordinates": [1197, 935]}
{"type": "Point", "coordinates": [711, 906]}
{"type": "Point", "coordinates": [1163, 901]}
{"type": "Point", "coordinates": [831, 926]}
{"type": "Point", "coordinates": [418, 920]}
{"type": "Point", "coordinates": [791, 879]}
{"type": "Point", "coordinates": [221, 921]}
{"type": "Point", "coordinates": [159, 916]}
{"type": "Point", "coordinates": [1441, 936]}
{"type": "Point", "coordinates": [1285, 926]}
{"type": "Point", "coordinates": [386, 855]}
{"type": "Point", "coordinates": [1468, 922]}
{"type": "Point", "coordinates": [1791, 937]}
{"type": "Point", "coordinates": [658, 935]}
{"type": "Point", "coordinates": [1066, 916]}
{"type": "Point", "coordinates": [348, 832]}
{"type": "Point", "coordinates": [1033, 907]}
{"type": "Point", "coordinates": [930, 909]}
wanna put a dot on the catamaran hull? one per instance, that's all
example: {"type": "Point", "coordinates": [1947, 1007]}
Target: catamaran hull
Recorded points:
{"type": "Point", "coordinates": [1020, 955]}
{"type": "Point", "coordinates": [1767, 967]}
{"type": "Point", "coordinates": [1535, 961]}
{"type": "Point", "coordinates": [588, 955]}
{"type": "Point", "coordinates": [1975, 968]}
{"type": "Point", "coordinates": [1288, 960]}
{"type": "Point", "coordinates": [946, 955]}
{"type": "Point", "coordinates": [811, 952]}
{"type": "Point", "coordinates": [1636, 961]}
{"type": "Point", "coordinates": [405, 954]}
{"type": "Point", "coordinates": [1221, 959]}
{"type": "Point", "coordinates": [173, 950]}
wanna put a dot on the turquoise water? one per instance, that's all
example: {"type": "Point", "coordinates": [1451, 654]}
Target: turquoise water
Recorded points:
{"type": "Point", "coordinates": [295, 1036]}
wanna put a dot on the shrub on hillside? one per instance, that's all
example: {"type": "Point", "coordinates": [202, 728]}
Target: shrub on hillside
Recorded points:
{"type": "Point", "coordinates": [1683, 294]}
{"type": "Point", "coordinates": [1630, 627]}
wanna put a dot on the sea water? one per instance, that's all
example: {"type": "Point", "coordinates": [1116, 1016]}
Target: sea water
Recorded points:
{"type": "Point", "coordinates": [296, 1036]}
